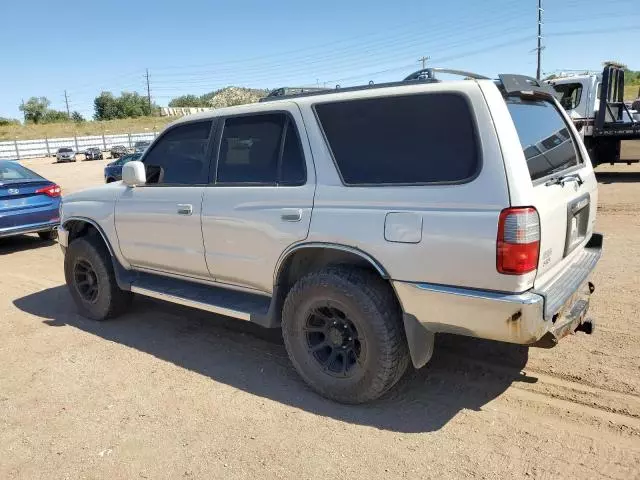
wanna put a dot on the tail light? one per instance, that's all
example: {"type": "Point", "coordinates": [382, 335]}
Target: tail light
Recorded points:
{"type": "Point", "coordinates": [50, 191]}
{"type": "Point", "coordinates": [518, 244]}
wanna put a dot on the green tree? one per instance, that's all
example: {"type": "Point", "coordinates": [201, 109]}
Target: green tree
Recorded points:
{"type": "Point", "coordinates": [128, 104]}
{"type": "Point", "coordinates": [54, 116]}
{"type": "Point", "coordinates": [105, 106]}
{"type": "Point", "coordinates": [35, 109]}
{"type": "Point", "coordinates": [187, 101]}
{"type": "Point", "coordinates": [76, 117]}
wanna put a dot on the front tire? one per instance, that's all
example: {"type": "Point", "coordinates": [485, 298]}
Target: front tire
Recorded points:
{"type": "Point", "coordinates": [342, 328]}
{"type": "Point", "coordinates": [91, 280]}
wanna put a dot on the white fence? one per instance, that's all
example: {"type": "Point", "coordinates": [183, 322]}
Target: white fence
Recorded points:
{"type": "Point", "coordinates": [181, 111]}
{"type": "Point", "coordinates": [18, 149]}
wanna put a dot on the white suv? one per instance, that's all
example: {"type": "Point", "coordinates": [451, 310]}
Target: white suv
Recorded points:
{"type": "Point", "coordinates": [361, 221]}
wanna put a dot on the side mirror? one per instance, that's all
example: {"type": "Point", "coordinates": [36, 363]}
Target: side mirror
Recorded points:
{"type": "Point", "coordinates": [133, 174]}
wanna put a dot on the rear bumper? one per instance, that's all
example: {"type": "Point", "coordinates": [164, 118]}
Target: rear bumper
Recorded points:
{"type": "Point", "coordinates": [552, 312]}
{"type": "Point", "coordinates": [31, 228]}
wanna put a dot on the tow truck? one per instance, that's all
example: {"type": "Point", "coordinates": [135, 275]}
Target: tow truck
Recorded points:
{"type": "Point", "coordinates": [594, 101]}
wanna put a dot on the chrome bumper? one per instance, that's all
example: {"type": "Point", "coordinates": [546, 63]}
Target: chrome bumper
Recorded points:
{"type": "Point", "coordinates": [555, 310]}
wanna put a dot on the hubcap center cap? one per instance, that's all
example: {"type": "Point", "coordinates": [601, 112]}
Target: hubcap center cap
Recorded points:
{"type": "Point", "coordinates": [336, 337]}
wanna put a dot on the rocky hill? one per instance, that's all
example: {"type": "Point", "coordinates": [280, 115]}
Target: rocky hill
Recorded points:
{"type": "Point", "coordinates": [225, 97]}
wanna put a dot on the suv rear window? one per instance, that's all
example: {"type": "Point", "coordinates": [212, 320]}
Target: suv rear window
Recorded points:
{"type": "Point", "coordinates": [410, 139]}
{"type": "Point", "coordinates": [547, 144]}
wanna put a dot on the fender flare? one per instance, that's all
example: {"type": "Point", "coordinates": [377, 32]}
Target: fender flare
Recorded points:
{"type": "Point", "coordinates": [332, 246]}
{"type": "Point", "coordinates": [124, 277]}
{"type": "Point", "coordinates": [94, 224]}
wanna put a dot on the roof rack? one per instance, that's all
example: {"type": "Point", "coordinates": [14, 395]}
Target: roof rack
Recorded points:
{"type": "Point", "coordinates": [426, 75]}
{"type": "Point", "coordinates": [286, 91]}
{"type": "Point", "coordinates": [430, 74]}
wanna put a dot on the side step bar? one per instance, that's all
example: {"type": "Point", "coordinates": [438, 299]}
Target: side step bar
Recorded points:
{"type": "Point", "coordinates": [232, 303]}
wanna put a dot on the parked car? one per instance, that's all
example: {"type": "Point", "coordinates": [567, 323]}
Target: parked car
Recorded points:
{"type": "Point", "coordinates": [28, 202]}
{"type": "Point", "coordinates": [65, 154]}
{"type": "Point", "coordinates": [93, 153]}
{"type": "Point", "coordinates": [113, 171]}
{"type": "Point", "coordinates": [118, 150]}
{"type": "Point", "coordinates": [361, 221]}
{"type": "Point", "coordinates": [140, 147]}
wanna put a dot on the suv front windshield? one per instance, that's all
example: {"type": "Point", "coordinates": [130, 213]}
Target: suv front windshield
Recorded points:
{"type": "Point", "coordinates": [546, 141]}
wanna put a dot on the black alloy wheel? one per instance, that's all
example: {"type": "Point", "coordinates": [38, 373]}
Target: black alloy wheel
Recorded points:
{"type": "Point", "coordinates": [332, 340]}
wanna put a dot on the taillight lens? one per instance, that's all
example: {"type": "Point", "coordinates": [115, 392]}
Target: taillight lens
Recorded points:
{"type": "Point", "coordinates": [50, 191]}
{"type": "Point", "coordinates": [518, 241]}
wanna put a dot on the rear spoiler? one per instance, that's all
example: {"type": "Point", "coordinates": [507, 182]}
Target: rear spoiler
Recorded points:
{"type": "Point", "coordinates": [523, 86]}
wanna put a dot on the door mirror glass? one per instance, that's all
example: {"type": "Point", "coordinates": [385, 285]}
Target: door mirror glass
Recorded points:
{"type": "Point", "coordinates": [133, 174]}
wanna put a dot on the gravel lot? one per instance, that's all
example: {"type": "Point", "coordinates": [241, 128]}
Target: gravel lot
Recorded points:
{"type": "Point", "coordinates": [168, 392]}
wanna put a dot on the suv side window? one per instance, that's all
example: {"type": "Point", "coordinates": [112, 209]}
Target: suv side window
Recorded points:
{"type": "Point", "coordinates": [260, 150]}
{"type": "Point", "coordinates": [408, 139]}
{"type": "Point", "coordinates": [180, 156]}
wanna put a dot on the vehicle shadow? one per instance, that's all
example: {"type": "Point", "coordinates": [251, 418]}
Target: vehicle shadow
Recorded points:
{"type": "Point", "coordinates": [607, 178]}
{"type": "Point", "coordinates": [21, 243]}
{"type": "Point", "coordinates": [465, 373]}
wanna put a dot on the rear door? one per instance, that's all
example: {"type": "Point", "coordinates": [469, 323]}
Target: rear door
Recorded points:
{"type": "Point", "coordinates": [563, 186]}
{"type": "Point", "coordinates": [261, 198]}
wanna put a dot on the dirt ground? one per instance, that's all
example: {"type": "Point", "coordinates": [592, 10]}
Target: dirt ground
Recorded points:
{"type": "Point", "coordinates": [168, 392]}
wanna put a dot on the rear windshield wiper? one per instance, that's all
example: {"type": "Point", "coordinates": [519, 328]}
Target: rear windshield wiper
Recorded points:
{"type": "Point", "coordinates": [561, 180]}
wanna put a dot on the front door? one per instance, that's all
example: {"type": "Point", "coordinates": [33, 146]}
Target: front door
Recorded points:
{"type": "Point", "coordinates": [158, 224]}
{"type": "Point", "coordinates": [261, 198]}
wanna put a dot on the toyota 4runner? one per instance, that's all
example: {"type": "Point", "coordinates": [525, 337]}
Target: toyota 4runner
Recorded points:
{"type": "Point", "coordinates": [361, 221]}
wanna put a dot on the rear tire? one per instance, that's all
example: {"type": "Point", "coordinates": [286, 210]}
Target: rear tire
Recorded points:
{"type": "Point", "coordinates": [49, 235]}
{"type": "Point", "coordinates": [91, 280]}
{"type": "Point", "coordinates": [342, 328]}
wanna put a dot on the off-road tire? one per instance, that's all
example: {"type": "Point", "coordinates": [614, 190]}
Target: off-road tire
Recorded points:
{"type": "Point", "coordinates": [370, 304]}
{"type": "Point", "coordinates": [111, 301]}
{"type": "Point", "coordinates": [49, 235]}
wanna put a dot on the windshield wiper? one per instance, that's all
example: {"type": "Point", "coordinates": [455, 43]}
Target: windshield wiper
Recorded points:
{"type": "Point", "coordinates": [561, 180]}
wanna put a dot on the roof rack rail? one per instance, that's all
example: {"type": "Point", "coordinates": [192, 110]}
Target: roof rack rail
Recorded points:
{"type": "Point", "coordinates": [430, 74]}
{"type": "Point", "coordinates": [285, 91]}
{"type": "Point", "coordinates": [426, 75]}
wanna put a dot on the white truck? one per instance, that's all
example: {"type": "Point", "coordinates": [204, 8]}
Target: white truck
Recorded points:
{"type": "Point", "coordinates": [594, 101]}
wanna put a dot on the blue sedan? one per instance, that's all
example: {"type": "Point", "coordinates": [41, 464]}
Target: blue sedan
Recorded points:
{"type": "Point", "coordinates": [113, 171]}
{"type": "Point", "coordinates": [28, 202]}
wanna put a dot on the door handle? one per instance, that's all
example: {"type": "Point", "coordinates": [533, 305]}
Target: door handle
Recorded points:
{"type": "Point", "coordinates": [185, 209]}
{"type": "Point", "coordinates": [291, 214]}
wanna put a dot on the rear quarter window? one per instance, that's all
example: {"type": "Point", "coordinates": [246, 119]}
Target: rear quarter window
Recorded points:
{"type": "Point", "coordinates": [409, 139]}
{"type": "Point", "coordinates": [546, 142]}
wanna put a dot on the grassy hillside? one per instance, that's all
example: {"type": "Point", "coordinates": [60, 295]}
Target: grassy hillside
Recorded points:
{"type": "Point", "coordinates": [631, 91]}
{"type": "Point", "coordinates": [69, 129]}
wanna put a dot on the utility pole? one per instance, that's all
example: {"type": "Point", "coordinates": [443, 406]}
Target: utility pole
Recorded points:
{"type": "Point", "coordinates": [148, 91]}
{"type": "Point", "coordinates": [539, 49]}
{"type": "Point", "coordinates": [424, 59]}
{"type": "Point", "coordinates": [66, 101]}
{"type": "Point", "coordinates": [24, 113]}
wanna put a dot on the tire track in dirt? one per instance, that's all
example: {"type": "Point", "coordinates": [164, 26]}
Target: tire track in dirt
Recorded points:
{"type": "Point", "coordinates": [621, 408]}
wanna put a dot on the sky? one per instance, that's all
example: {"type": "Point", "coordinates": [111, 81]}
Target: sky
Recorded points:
{"type": "Point", "coordinates": [196, 46]}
